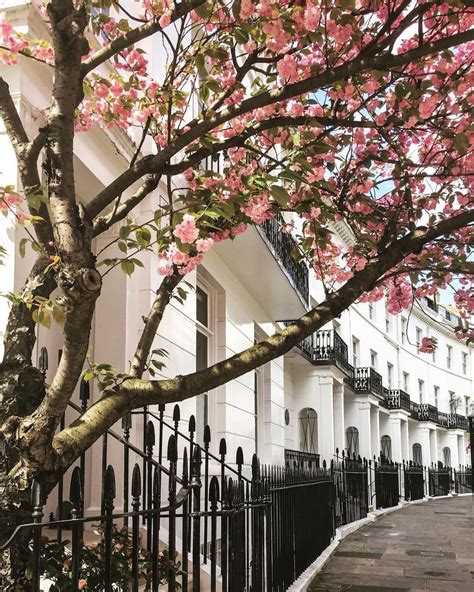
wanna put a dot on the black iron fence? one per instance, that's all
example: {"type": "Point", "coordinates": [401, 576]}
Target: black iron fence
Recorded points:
{"type": "Point", "coordinates": [297, 459]}
{"type": "Point", "coordinates": [351, 485]}
{"type": "Point", "coordinates": [440, 479]}
{"type": "Point", "coordinates": [414, 481]}
{"type": "Point", "coordinates": [172, 513]}
{"type": "Point", "coordinates": [463, 480]}
{"type": "Point", "coordinates": [387, 483]}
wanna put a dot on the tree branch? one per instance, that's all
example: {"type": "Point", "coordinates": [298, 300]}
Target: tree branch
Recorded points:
{"type": "Point", "coordinates": [134, 36]}
{"type": "Point", "coordinates": [134, 393]}
{"type": "Point", "coordinates": [154, 164]}
{"type": "Point", "coordinates": [152, 323]}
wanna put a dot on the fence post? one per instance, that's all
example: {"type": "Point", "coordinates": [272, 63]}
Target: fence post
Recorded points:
{"type": "Point", "coordinates": [37, 516]}
{"type": "Point", "coordinates": [136, 493]}
{"type": "Point", "coordinates": [196, 485]}
{"type": "Point", "coordinates": [156, 529]}
{"type": "Point", "coordinates": [213, 498]}
{"type": "Point", "coordinates": [207, 440]}
{"type": "Point", "coordinates": [108, 505]}
{"type": "Point", "coordinates": [76, 499]}
{"type": "Point", "coordinates": [148, 502]}
{"type": "Point", "coordinates": [224, 520]}
{"type": "Point", "coordinates": [185, 523]}
{"type": "Point", "coordinates": [126, 427]}
{"type": "Point", "coordinates": [172, 459]}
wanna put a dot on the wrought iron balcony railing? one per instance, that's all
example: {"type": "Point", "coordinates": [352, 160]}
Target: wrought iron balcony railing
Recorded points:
{"type": "Point", "coordinates": [456, 421]}
{"type": "Point", "coordinates": [424, 412]}
{"type": "Point", "coordinates": [397, 399]}
{"type": "Point", "coordinates": [443, 419]}
{"type": "Point", "coordinates": [301, 460]}
{"type": "Point", "coordinates": [366, 380]}
{"type": "Point", "coordinates": [284, 246]}
{"type": "Point", "coordinates": [330, 348]}
{"type": "Point", "coordinates": [326, 348]}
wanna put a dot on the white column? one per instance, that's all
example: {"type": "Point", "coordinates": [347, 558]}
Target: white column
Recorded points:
{"type": "Point", "coordinates": [326, 446]}
{"type": "Point", "coordinates": [365, 430]}
{"type": "Point", "coordinates": [424, 435]}
{"type": "Point", "coordinates": [397, 449]}
{"type": "Point", "coordinates": [339, 432]}
{"type": "Point", "coordinates": [405, 441]}
{"type": "Point", "coordinates": [375, 429]}
{"type": "Point", "coordinates": [434, 446]}
{"type": "Point", "coordinates": [453, 446]}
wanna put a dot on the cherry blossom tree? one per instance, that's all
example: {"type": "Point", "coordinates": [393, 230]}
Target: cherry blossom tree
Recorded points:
{"type": "Point", "coordinates": [350, 112]}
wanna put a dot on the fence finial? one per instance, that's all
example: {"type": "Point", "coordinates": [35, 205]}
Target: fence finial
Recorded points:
{"type": "Point", "coordinates": [176, 414]}
{"type": "Point", "coordinates": [172, 453]}
{"type": "Point", "coordinates": [75, 489]}
{"type": "Point", "coordinates": [222, 447]}
{"type": "Point", "coordinates": [239, 456]}
{"type": "Point", "coordinates": [43, 360]}
{"type": "Point", "coordinates": [136, 481]}
{"type": "Point", "coordinates": [196, 465]}
{"type": "Point", "coordinates": [149, 435]}
{"type": "Point", "coordinates": [207, 434]}
{"type": "Point", "coordinates": [214, 491]}
{"type": "Point", "coordinates": [192, 424]}
{"type": "Point", "coordinates": [109, 484]}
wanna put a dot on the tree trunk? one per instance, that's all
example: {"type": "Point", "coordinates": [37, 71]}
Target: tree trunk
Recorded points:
{"type": "Point", "coordinates": [15, 509]}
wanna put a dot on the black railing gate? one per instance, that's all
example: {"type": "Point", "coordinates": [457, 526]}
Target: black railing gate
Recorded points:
{"type": "Point", "coordinates": [387, 493]}
{"type": "Point", "coordinates": [414, 482]}
{"type": "Point", "coordinates": [351, 488]}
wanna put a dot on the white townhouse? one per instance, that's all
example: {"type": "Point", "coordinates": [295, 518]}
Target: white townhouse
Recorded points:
{"type": "Point", "coordinates": [359, 385]}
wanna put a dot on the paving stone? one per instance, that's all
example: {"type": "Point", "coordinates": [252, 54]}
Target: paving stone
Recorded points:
{"type": "Point", "coordinates": [359, 554]}
{"type": "Point", "coordinates": [425, 547]}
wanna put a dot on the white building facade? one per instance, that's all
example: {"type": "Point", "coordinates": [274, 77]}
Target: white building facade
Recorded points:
{"type": "Point", "coordinates": [361, 385]}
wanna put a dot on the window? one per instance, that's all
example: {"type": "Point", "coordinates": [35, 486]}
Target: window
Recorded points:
{"type": "Point", "coordinates": [385, 448]}
{"type": "Point", "coordinates": [373, 359]}
{"type": "Point", "coordinates": [371, 311]}
{"type": "Point", "coordinates": [352, 441]}
{"type": "Point", "coordinates": [467, 405]}
{"type": "Point", "coordinates": [390, 375]}
{"type": "Point", "coordinates": [419, 334]}
{"type": "Point", "coordinates": [417, 454]}
{"type": "Point", "coordinates": [464, 362]}
{"type": "Point", "coordinates": [203, 348]}
{"type": "Point", "coordinates": [388, 321]}
{"type": "Point", "coordinates": [308, 430]}
{"type": "Point", "coordinates": [404, 330]}
{"type": "Point", "coordinates": [406, 382]}
{"type": "Point", "coordinates": [434, 356]}
{"type": "Point", "coordinates": [421, 390]}
{"type": "Point", "coordinates": [436, 395]}
{"type": "Point", "coordinates": [447, 456]}
{"type": "Point", "coordinates": [355, 351]}
{"type": "Point", "coordinates": [449, 350]}
{"type": "Point", "coordinates": [453, 402]}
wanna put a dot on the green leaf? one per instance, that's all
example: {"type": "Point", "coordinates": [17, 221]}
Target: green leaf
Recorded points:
{"type": "Point", "coordinates": [280, 195]}
{"type": "Point", "coordinates": [127, 266]}
{"type": "Point", "coordinates": [22, 246]}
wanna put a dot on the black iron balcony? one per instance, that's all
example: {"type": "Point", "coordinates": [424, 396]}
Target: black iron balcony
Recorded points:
{"type": "Point", "coordinates": [424, 412]}
{"type": "Point", "coordinates": [301, 460]}
{"type": "Point", "coordinates": [397, 399]}
{"type": "Point", "coordinates": [330, 348]}
{"type": "Point", "coordinates": [284, 246]}
{"type": "Point", "coordinates": [326, 348]}
{"type": "Point", "coordinates": [457, 422]}
{"type": "Point", "coordinates": [443, 419]}
{"type": "Point", "coordinates": [366, 380]}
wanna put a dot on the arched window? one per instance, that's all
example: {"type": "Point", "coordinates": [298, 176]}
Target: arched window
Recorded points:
{"type": "Point", "coordinates": [386, 447]}
{"type": "Point", "coordinates": [308, 430]}
{"type": "Point", "coordinates": [417, 456]}
{"type": "Point", "coordinates": [352, 441]}
{"type": "Point", "coordinates": [447, 456]}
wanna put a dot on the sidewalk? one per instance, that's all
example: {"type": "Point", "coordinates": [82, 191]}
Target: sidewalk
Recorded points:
{"type": "Point", "coordinates": [428, 546]}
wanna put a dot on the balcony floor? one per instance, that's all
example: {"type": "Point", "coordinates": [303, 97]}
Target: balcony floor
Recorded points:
{"type": "Point", "coordinates": [254, 265]}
